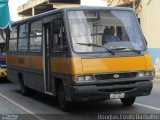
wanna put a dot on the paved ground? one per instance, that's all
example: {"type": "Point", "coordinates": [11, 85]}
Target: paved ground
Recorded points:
{"type": "Point", "coordinates": [44, 107]}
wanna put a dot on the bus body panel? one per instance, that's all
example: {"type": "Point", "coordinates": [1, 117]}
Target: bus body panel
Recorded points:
{"type": "Point", "coordinates": [148, 62]}
{"type": "Point", "coordinates": [83, 65]}
{"type": "Point", "coordinates": [118, 64]}
{"type": "Point", "coordinates": [32, 79]}
{"type": "Point", "coordinates": [29, 66]}
{"type": "Point", "coordinates": [25, 61]}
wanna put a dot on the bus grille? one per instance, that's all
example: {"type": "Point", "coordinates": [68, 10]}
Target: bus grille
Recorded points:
{"type": "Point", "coordinates": [112, 76]}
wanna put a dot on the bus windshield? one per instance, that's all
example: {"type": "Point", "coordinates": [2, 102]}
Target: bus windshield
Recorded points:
{"type": "Point", "coordinates": [114, 30]}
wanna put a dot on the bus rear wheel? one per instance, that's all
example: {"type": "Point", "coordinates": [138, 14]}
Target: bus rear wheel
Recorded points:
{"type": "Point", "coordinates": [128, 101]}
{"type": "Point", "coordinates": [23, 88]}
{"type": "Point", "coordinates": [63, 104]}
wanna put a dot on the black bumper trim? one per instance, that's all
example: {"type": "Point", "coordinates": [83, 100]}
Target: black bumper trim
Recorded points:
{"type": "Point", "coordinates": [96, 93]}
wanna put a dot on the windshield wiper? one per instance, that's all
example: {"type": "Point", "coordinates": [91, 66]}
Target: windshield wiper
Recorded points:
{"type": "Point", "coordinates": [95, 45]}
{"type": "Point", "coordinates": [139, 52]}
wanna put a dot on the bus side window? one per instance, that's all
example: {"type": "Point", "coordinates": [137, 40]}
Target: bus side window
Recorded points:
{"type": "Point", "coordinates": [23, 38]}
{"type": "Point", "coordinates": [59, 40]}
{"type": "Point", "coordinates": [56, 32]}
{"type": "Point", "coordinates": [13, 39]}
{"type": "Point", "coordinates": [35, 37]}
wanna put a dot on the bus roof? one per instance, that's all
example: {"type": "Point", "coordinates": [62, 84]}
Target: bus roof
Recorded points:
{"type": "Point", "coordinates": [68, 9]}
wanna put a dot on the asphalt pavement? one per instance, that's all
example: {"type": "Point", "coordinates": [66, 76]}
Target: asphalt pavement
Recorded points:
{"type": "Point", "coordinates": [43, 107]}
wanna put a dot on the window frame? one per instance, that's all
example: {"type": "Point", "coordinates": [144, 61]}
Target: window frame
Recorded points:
{"type": "Point", "coordinates": [29, 37]}
{"type": "Point", "coordinates": [72, 47]}
{"type": "Point", "coordinates": [59, 17]}
{"type": "Point", "coordinates": [13, 38]}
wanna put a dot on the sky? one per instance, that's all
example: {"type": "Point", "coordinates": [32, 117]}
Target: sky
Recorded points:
{"type": "Point", "coordinates": [13, 5]}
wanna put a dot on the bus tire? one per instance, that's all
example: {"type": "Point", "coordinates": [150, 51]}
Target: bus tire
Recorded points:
{"type": "Point", "coordinates": [128, 101]}
{"type": "Point", "coordinates": [23, 88]}
{"type": "Point", "coordinates": [63, 104]}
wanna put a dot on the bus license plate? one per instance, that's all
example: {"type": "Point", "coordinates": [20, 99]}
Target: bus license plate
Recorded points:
{"type": "Point", "coordinates": [116, 96]}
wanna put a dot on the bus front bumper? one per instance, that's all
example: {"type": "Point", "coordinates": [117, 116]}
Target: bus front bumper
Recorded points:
{"type": "Point", "coordinates": [98, 93]}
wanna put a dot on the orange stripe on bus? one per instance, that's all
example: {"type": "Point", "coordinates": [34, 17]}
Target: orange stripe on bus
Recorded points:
{"type": "Point", "coordinates": [77, 65]}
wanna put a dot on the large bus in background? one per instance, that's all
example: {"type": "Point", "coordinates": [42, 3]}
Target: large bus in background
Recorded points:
{"type": "Point", "coordinates": [3, 69]}
{"type": "Point", "coordinates": [70, 53]}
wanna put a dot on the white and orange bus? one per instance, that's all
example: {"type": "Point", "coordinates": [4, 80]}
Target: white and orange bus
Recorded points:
{"type": "Point", "coordinates": [70, 53]}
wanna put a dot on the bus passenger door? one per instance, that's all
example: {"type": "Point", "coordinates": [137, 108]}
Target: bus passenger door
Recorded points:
{"type": "Point", "coordinates": [46, 56]}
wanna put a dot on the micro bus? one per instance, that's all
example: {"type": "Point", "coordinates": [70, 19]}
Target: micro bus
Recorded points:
{"type": "Point", "coordinates": [66, 53]}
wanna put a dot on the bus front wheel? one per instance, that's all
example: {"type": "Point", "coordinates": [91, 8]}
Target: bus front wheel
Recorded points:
{"type": "Point", "coordinates": [63, 104]}
{"type": "Point", "coordinates": [128, 101]}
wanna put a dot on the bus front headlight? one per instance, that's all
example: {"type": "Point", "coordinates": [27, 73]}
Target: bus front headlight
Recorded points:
{"type": "Point", "coordinates": [86, 78]}
{"type": "Point", "coordinates": [80, 79]}
{"type": "Point", "coordinates": [146, 74]}
{"type": "Point", "coordinates": [141, 74]}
